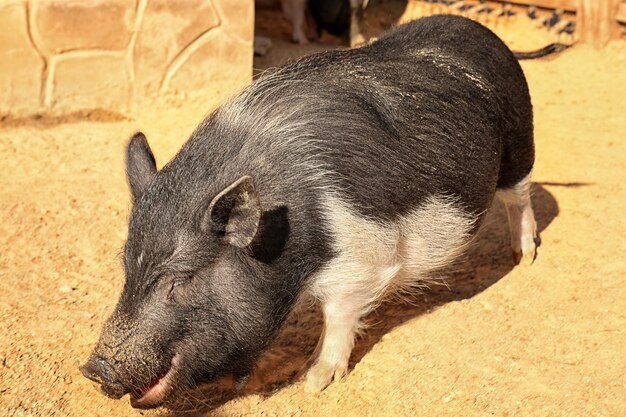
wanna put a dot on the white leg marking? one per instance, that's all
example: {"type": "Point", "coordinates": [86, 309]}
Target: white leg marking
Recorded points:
{"type": "Point", "coordinates": [336, 342]}
{"type": "Point", "coordinates": [356, 37]}
{"type": "Point", "coordinates": [374, 258]}
{"type": "Point", "coordinates": [295, 12]}
{"type": "Point", "coordinates": [521, 220]}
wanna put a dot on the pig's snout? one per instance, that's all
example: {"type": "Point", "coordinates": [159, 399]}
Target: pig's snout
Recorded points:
{"type": "Point", "coordinates": [104, 377]}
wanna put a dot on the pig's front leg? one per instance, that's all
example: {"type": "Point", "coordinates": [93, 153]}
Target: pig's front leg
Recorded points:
{"type": "Point", "coordinates": [295, 10]}
{"type": "Point", "coordinates": [356, 15]}
{"type": "Point", "coordinates": [335, 346]}
{"type": "Point", "coordinates": [348, 287]}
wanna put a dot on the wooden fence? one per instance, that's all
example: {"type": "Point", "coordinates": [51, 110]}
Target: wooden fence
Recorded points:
{"type": "Point", "coordinates": [597, 21]}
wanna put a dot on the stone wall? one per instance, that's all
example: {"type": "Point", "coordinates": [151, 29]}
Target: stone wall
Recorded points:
{"type": "Point", "coordinates": [66, 55]}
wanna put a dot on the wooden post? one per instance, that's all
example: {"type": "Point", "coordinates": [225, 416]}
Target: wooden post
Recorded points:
{"type": "Point", "coordinates": [596, 21]}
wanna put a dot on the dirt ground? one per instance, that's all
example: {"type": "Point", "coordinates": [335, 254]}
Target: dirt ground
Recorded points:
{"type": "Point", "coordinates": [545, 340]}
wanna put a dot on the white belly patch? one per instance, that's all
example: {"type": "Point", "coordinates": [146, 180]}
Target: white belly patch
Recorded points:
{"type": "Point", "coordinates": [375, 257]}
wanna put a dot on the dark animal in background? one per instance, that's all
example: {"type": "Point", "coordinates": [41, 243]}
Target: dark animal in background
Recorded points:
{"type": "Point", "coordinates": [332, 16]}
{"type": "Point", "coordinates": [309, 18]}
{"type": "Point", "coordinates": [346, 175]}
{"type": "Point", "coordinates": [340, 16]}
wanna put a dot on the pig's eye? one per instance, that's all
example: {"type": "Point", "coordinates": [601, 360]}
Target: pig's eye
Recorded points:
{"type": "Point", "coordinates": [176, 283]}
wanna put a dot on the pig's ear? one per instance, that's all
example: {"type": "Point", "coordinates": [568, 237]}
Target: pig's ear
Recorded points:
{"type": "Point", "coordinates": [235, 213]}
{"type": "Point", "coordinates": [140, 164]}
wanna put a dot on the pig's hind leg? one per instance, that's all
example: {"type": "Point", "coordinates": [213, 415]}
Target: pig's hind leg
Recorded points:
{"type": "Point", "coordinates": [523, 227]}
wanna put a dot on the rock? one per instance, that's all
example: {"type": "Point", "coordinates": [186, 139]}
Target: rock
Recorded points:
{"type": "Point", "coordinates": [185, 21]}
{"type": "Point", "coordinates": [21, 67]}
{"type": "Point", "coordinates": [261, 45]}
{"type": "Point", "coordinates": [68, 287]}
{"type": "Point", "coordinates": [107, 84]}
{"type": "Point", "coordinates": [221, 60]}
{"type": "Point", "coordinates": [80, 25]}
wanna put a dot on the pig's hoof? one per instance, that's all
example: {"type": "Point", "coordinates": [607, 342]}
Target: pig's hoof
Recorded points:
{"type": "Point", "coordinates": [300, 38]}
{"type": "Point", "coordinates": [517, 256]}
{"type": "Point", "coordinates": [322, 374]}
{"type": "Point", "coordinates": [525, 258]}
{"type": "Point", "coordinates": [528, 258]}
{"type": "Point", "coordinates": [357, 40]}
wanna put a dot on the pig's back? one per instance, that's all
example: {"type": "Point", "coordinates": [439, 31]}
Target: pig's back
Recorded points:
{"type": "Point", "coordinates": [417, 114]}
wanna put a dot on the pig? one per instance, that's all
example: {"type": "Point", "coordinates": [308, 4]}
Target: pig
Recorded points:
{"type": "Point", "coordinates": [303, 26]}
{"type": "Point", "coordinates": [346, 176]}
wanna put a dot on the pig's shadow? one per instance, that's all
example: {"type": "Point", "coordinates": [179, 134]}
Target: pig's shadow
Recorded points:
{"type": "Point", "coordinates": [488, 260]}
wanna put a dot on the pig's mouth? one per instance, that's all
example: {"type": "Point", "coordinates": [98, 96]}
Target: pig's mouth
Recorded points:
{"type": "Point", "coordinates": [157, 390]}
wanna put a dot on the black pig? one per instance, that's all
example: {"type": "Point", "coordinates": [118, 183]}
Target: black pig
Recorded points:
{"type": "Point", "coordinates": [346, 175]}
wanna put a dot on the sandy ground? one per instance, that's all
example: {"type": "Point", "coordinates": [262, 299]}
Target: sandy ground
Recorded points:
{"type": "Point", "coordinates": [498, 340]}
